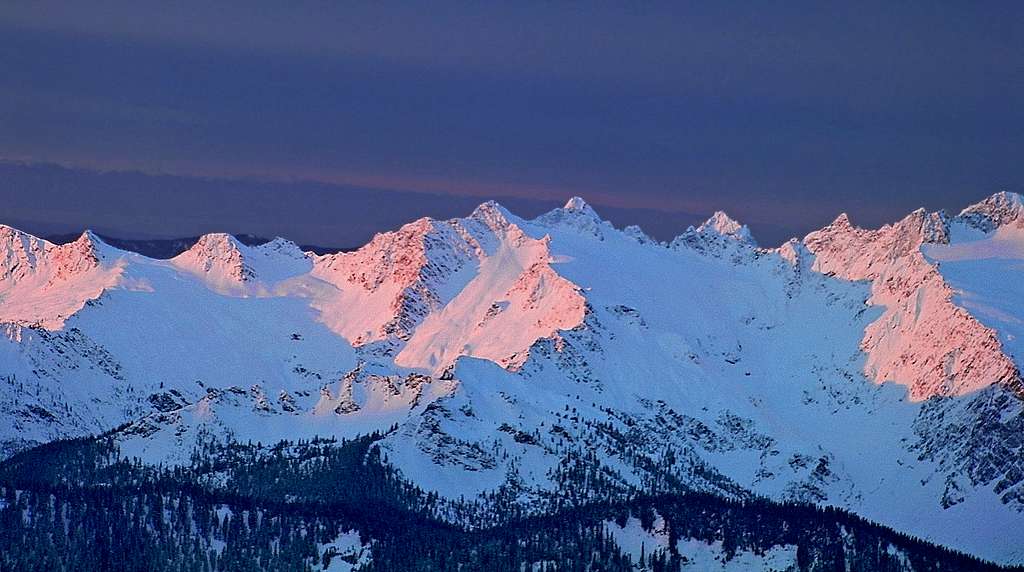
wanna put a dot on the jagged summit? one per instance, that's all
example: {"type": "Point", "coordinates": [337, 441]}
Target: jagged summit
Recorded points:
{"type": "Point", "coordinates": [433, 291]}
{"type": "Point", "coordinates": [932, 227]}
{"type": "Point", "coordinates": [94, 243]}
{"type": "Point", "coordinates": [92, 237]}
{"type": "Point", "coordinates": [1000, 200]}
{"type": "Point", "coordinates": [574, 208]}
{"type": "Point", "coordinates": [918, 227]}
{"type": "Point", "coordinates": [577, 215]}
{"type": "Point", "coordinates": [20, 252]}
{"type": "Point", "coordinates": [492, 214]}
{"type": "Point", "coordinates": [719, 235]}
{"type": "Point", "coordinates": [724, 225]}
{"type": "Point", "coordinates": [577, 204]}
{"type": "Point", "coordinates": [218, 256]}
{"type": "Point", "coordinates": [841, 221]}
{"type": "Point", "coordinates": [218, 240]}
{"type": "Point", "coordinates": [83, 254]}
{"type": "Point", "coordinates": [23, 255]}
{"type": "Point", "coordinates": [14, 239]}
{"type": "Point", "coordinates": [995, 211]}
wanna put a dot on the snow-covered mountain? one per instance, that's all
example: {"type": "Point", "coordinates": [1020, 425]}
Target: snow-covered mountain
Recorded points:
{"type": "Point", "coordinates": [875, 370]}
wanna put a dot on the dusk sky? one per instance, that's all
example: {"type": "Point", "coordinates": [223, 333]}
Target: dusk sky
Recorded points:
{"type": "Point", "coordinates": [326, 124]}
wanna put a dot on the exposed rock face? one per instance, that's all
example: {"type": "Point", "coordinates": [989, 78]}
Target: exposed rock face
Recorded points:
{"type": "Point", "coordinates": [396, 279]}
{"type": "Point", "coordinates": [922, 339]}
{"type": "Point", "coordinates": [22, 254]}
{"type": "Point", "coordinates": [435, 291]}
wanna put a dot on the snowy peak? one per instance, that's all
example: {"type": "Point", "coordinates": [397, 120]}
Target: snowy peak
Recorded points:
{"type": "Point", "coordinates": [23, 255]}
{"type": "Point", "coordinates": [917, 228]}
{"type": "Point", "coordinates": [576, 215]}
{"type": "Point", "coordinates": [577, 204]}
{"type": "Point", "coordinates": [395, 257]}
{"type": "Point", "coordinates": [841, 222]}
{"type": "Point", "coordinates": [217, 244]}
{"type": "Point", "coordinates": [995, 211]}
{"type": "Point", "coordinates": [277, 260]}
{"type": "Point", "coordinates": [92, 239]}
{"type": "Point", "coordinates": [386, 288]}
{"type": "Point", "coordinates": [514, 299]}
{"type": "Point", "coordinates": [724, 225]}
{"type": "Point", "coordinates": [433, 291]}
{"type": "Point", "coordinates": [493, 215]}
{"type": "Point", "coordinates": [219, 258]}
{"type": "Point", "coordinates": [20, 254]}
{"type": "Point", "coordinates": [81, 255]}
{"type": "Point", "coordinates": [42, 283]}
{"type": "Point", "coordinates": [228, 265]}
{"type": "Point", "coordinates": [720, 236]}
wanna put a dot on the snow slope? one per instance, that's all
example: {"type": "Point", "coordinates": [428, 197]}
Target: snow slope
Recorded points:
{"type": "Point", "coordinates": [877, 370]}
{"type": "Point", "coordinates": [983, 271]}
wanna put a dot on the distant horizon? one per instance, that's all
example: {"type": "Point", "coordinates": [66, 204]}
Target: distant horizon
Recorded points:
{"type": "Point", "coordinates": [667, 225]}
{"type": "Point", "coordinates": [132, 221]}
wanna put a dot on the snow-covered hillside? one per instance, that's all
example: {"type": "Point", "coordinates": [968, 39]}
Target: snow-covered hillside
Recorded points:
{"type": "Point", "coordinates": [877, 370]}
{"type": "Point", "coordinates": [43, 283]}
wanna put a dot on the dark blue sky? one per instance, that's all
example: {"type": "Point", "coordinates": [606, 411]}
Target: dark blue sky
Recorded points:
{"type": "Point", "coordinates": [259, 118]}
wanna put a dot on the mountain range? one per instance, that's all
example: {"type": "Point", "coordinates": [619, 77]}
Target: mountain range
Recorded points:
{"type": "Point", "coordinates": [523, 368]}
